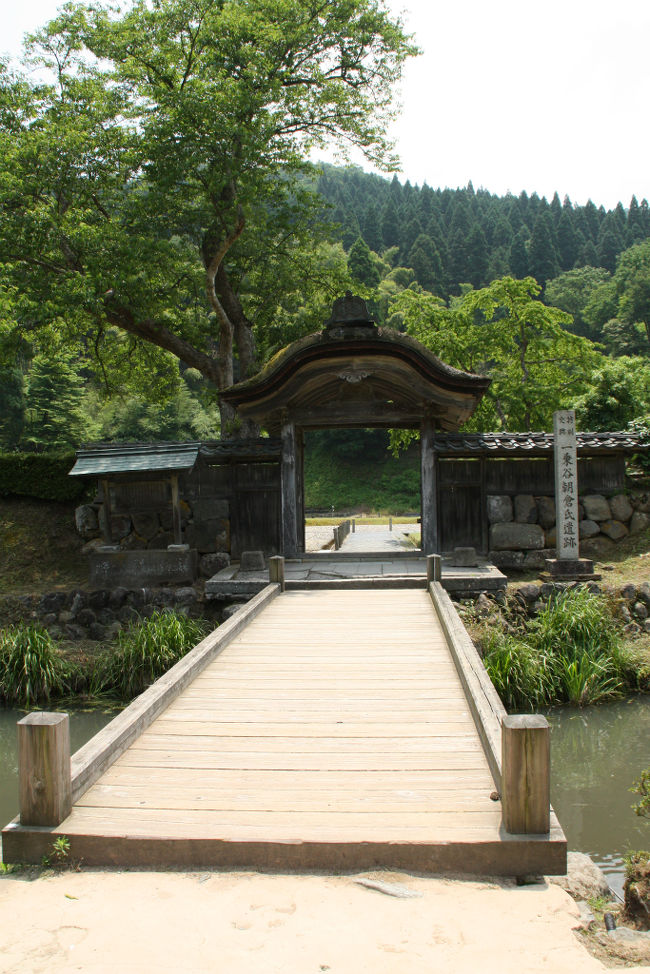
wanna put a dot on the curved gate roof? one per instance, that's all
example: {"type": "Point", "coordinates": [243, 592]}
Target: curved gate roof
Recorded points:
{"type": "Point", "coordinates": [353, 373]}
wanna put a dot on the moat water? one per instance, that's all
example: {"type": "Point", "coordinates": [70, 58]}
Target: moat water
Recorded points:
{"type": "Point", "coordinates": [596, 755]}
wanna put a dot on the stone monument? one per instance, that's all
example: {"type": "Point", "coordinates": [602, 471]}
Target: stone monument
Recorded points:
{"type": "Point", "coordinates": [568, 564]}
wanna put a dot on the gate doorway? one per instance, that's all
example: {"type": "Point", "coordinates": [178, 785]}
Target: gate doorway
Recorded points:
{"type": "Point", "coordinates": [354, 375]}
{"type": "Point", "coordinates": [352, 474]}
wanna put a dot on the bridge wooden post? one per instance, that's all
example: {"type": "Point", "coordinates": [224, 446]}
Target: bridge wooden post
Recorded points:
{"type": "Point", "coordinates": [276, 571]}
{"type": "Point", "coordinates": [526, 774]}
{"type": "Point", "coordinates": [434, 568]}
{"type": "Point", "coordinates": [45, 783]}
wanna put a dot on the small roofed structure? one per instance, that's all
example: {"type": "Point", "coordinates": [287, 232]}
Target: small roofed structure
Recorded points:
{"type": "Point", "coordinates": [354, 374]}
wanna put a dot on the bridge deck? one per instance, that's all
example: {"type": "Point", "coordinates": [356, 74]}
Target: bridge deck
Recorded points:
{"type": "Point", "coordinates": [333, 732]}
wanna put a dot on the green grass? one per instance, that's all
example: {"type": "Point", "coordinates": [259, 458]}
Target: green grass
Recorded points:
{"type": "Point", "coordinates": [31, 669]}
{"type": "Point", "coordinates": [384, 485]}
{"type": "Point", "coordinates": [145, 651]}
{"type": "Point", "coordinates": [570, 653]}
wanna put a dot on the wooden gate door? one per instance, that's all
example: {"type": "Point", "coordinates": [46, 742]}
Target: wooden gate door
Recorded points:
{"type": "Point", "coordinates": [461, 505]}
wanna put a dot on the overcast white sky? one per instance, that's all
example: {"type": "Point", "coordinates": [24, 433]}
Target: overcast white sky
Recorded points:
{"type": "Point", "coordinates": [512, 94]}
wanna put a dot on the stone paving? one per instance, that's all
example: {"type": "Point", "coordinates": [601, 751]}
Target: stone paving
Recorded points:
{"type": "Point", "coordinates": [373, 556]}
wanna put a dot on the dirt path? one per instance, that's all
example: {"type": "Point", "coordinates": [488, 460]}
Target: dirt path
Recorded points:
{"type": "Point", "coordinates": [103, 922]}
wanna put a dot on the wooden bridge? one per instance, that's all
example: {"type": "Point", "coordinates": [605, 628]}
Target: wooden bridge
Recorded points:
{"type": "Point", "coordinates": [316, 729]}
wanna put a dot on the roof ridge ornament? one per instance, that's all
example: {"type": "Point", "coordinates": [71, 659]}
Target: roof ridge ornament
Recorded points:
{"type": "Point", "coordinates": [349, 318]}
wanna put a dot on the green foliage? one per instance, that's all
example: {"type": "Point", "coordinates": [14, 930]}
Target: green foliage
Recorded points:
{"type": "Point", "coordinates": [572, 291]}
{"type": "Point", "coordinates": [181, 417]}
{"type": "Point", "coordinates": [618, 393]}
{"type": "Point", "coordinates": [145, 651]}
{"type": "Point", "coordinates": [365, 480]}
{"type": "Point", "coordinates": [40, 475]}
{"type": "Point", "coordinates": [570, 653]}
{"type": "Point", "coordinates": [505, 332]}
{"type": "Point", "coordinates": [54, 414]}
{"type": "Point", "coordinates": [31, 669]}
{"type": "Point", "coordinates": [12, 406]}
{"type": "Point", "coordinates": [173, 229]}
{"type": "Point", "coordinates": [641, 787]}
{"type": "Point", "coordinates": [360, 264]}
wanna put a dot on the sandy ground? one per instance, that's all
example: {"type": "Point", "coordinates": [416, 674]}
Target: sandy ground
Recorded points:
{"type": "Point", "coordinates": [108, 922]}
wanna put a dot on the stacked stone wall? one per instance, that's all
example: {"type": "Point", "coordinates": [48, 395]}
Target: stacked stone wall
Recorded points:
{"type": "Point", "coordinates": [522, 528]}
{"type": "Point", "coordinates": [205, 522]}
{"type": "Point", "coordinates": [102, 614]}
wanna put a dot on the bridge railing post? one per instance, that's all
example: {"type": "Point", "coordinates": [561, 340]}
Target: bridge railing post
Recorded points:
{"type": "Point", "coordinates": [44, 776]}
{"type": "Point", "coordinates": [276, 571]}
{"type": "Point", "coordinates": [434, 568]}
{"type": "Point", "coordinates": [526, 774]}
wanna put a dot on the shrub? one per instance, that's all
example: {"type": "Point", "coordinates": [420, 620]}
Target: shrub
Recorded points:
{"type": "Point", "coordinates": [40, 475]}
{"type": "Point", "coordinates": [31, 669]}
{"type": "Point", "coordinates": [146, 650]}
{"type": "Point", "coordinates": [570, 653]}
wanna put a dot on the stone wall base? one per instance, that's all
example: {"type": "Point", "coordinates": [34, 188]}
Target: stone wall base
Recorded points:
{"type": "Point", "coordinates": [109, 569]}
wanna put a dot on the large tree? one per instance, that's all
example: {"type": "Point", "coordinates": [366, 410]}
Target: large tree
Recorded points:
{"type": "Point", "coordinates": [150, 187]}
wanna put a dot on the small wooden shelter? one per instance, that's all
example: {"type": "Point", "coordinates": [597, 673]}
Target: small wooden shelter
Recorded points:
{"type": "Point", "coordinates": [354, 374]}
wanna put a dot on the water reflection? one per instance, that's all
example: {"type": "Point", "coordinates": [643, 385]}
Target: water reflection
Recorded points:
{"type": "Point", "coordinates": [596, 755]}
{"type": "Point", "coordinates": [84, 724]}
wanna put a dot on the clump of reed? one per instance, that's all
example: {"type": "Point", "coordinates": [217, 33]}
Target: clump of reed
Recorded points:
{"type": "Point", "coordinates": [32, 671]}
{"type": "Point", "coordinates": [146, 650]}
{"type": "Point", "coordinates": [570, 653]}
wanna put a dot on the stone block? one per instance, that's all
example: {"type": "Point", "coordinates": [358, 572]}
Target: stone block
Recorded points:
{"type": "Point", "coordinates": [514, 536]}
{"type": "Point", "coordinates": [641, 501]}
{"type": "Point", "coordinates": [99, 599]}
{"type": "Point", "coordinates": [146, 567]}
{"type": "Point", "coordinates": [464, 558]}
{"type": "Point", "coordinates": [643, 593]}
{"type": "Point", "coordinates": [628, 591]}
{"type": "Point", "coordinates": [210, 564]}
{"type": "Point", "coordinates": [550, 537]}
{"type": "Point", "coordinates": [620, 507]}
{"type": "Point", "coordinates": [86, 521]}
{"type": "Point", "coordinates": [525, 509]}
{"type": "Point", "coordinates": [120, 525]}
{"type": "Point", "coordinates": [614, 530]}
{"type": "Point", "coordinates": [52, 602]}
{"type": "Point", "coordinates": [596, 507]}
{"type": "Point", "coordinates": [147, 525]}
{"type": "Point", "coordinates": [529, 592]}
{"type": "Point", "coordinates": [507, 560]}
{"type": "Point", "coordinates": [639, 522]}
{"type": "Point", "coordinates": [546, 515]}
{"type": "Point", "coordinates": [640, 610]}
{"type": "Point", "coordinates": [86, 617]}
{"type": "Point", "coordinates": [252, 561]}
{"type": "Point", "coordinates": [185, 595]}
{"type": "Point", "coordinates": [588, 529]}
{"type": "Point", "coordinates": [118, 596]}
{"type": "Point", "coordinates": [161, 541]}
{"type": "Point", "coordinates": [499, 508]}
{"type": "Point", "coordinates": [535, 560]}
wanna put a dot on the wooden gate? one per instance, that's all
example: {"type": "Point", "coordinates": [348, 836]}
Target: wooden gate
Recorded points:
{"type": "Point", "coordinates": [461, 505]}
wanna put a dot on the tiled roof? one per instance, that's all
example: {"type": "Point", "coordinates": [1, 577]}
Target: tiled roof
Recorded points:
{"type": "Point", "coordinates": [111, 458]}
{"type": "Point", "coordinates": [527, 444]}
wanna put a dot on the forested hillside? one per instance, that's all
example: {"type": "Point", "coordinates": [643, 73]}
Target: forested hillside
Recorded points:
{"type": "Point", "coordinates": [462, 236]}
